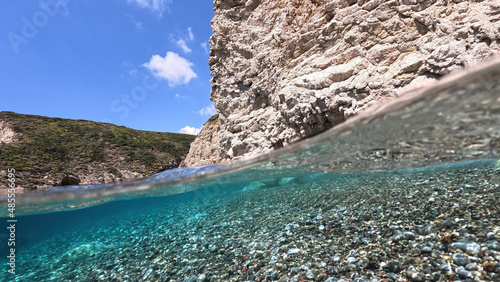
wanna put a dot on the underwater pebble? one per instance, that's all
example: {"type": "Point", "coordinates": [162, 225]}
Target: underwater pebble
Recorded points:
{"type": "Point", "coordinates": [393, 267]}
{"type": "Point", "coordinates": [428, 229]}
{"type": "Point", "coordinates": [396, 214]}
{"type": "Point", "coordinates": [459, 259]}
{"type": "Point", "coordinates": [470, 238]}
{"type": "Point", "coordinates": [468, 186]}
{"type": "Point", "coordinates": [406, 235]}
{"type": "Point", "coordinates": [463, 273]}
{"type": "Point", "coordinates": [493, 245]}
{"type": "Point", "coordinates": [273, 274]}
{"type": "Point", "coordinates": [468, 247]}
{"type": "Point", "coordinates": [436, 276]}
{"type": "Point", "coordinates": [414, 276]}
{"type": "Point", "coordinates": [273, 260]}
{"type": "Point", "coordinates": [448, 223]}
{"type": "Point", "coordinates": [490, 236]}
{"type": "Point", "coordinates": [445, 267]}
{"type": "Point", "coordinates": [426, 249]}
{"type": "Point", "coordinates": [414, 252]}
{"type": "Point", "coordinates": [471, 266]}
{"type": "Point", "coordinates": [147, 274]}
{"type": "Point", "coordinates": [310, 275]}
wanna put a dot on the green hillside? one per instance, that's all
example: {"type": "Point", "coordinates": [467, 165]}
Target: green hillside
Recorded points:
{"type": "Point", "coordinates": [46, 149]}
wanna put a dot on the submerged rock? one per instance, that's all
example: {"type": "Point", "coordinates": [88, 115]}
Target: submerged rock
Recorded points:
{"type": "Point", "coordinates": [468, 247]}
{"type": "Point", "coordinates": [462, 273]}
{"type": "Point", "coordinates": [493, 245]}
{"type": "Point", "coordinates": [459, 259]}
{"type": "Point", "coordinates": [201, 278]}
{"type": "Point", "coordinates": [393, 266]}
{"type": "Point", "coordinates": [414, 275]}
{"type": "Point", "coordinates": [406, 235]}
{"type": "Point", "coordinates": [491, 236]}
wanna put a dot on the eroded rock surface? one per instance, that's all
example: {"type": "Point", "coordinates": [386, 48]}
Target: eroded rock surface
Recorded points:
{"type": "Point", "coordinates": [205, 150]}
{"type": "Point", "coordinates": [7, 134]}
{"type": "Point", "coordinates": [284, 70]}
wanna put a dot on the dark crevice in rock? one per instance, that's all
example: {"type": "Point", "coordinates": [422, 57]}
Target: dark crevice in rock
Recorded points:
{"type": "Point", "coordinates": [486, 40]}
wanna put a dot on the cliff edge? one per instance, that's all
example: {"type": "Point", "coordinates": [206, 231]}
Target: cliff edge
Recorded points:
{"type": "Point", "coordinates": [285, 70]}
{"type": "Point", "coordinates": [205, 149]}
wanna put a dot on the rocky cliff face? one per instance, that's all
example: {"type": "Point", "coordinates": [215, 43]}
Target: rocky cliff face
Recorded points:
{"type": "Point", "coordinates": [205, 149]}
{"type": "Point", "coordinates": [7, 135]}
{"type": "Point", "coordinates": [287, 69]}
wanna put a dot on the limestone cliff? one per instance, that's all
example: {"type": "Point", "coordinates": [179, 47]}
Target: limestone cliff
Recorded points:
{"type": "Point", "coordinates": [7, 135]}
{"type": "Point", "coordinates": [205, 149]}
{"type": "Point", "coordinates": [287, 69]}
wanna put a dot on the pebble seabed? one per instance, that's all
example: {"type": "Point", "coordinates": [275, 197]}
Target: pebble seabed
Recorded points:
{"type": "Point", "coordinates": [423, 226]}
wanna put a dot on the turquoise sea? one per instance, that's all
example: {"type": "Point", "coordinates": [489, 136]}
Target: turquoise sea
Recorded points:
{"type": "Point", "coordinates": [408, 191]}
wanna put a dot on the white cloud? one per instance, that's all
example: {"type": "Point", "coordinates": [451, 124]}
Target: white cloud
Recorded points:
{"type": "Point", "coordinates": [208, 111]}
{"type": "Point", "coordinates": [190, 34]}
{"type": "Point", "coordinates": [182, 44]}
{"type": "Point", "coordinates": [172, 67]}
{"type": "Point", "coordinates": [181, 40]}
{"type": "Point", "coordinates": [204, 46]}
{"type": "Point", "coordinates": [190, 130]}
{"type": "Point", "coordinates": [178, 96]}
{"type": "Point", "coordinates": [157, 6]}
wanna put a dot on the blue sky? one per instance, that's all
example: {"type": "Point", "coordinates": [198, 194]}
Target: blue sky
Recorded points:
{"type": "Point", "coordinates": [138, 63]}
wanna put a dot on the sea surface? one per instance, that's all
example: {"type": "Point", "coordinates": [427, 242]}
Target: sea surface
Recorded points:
{"type": "Point", "coordinates": [406, 191]}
